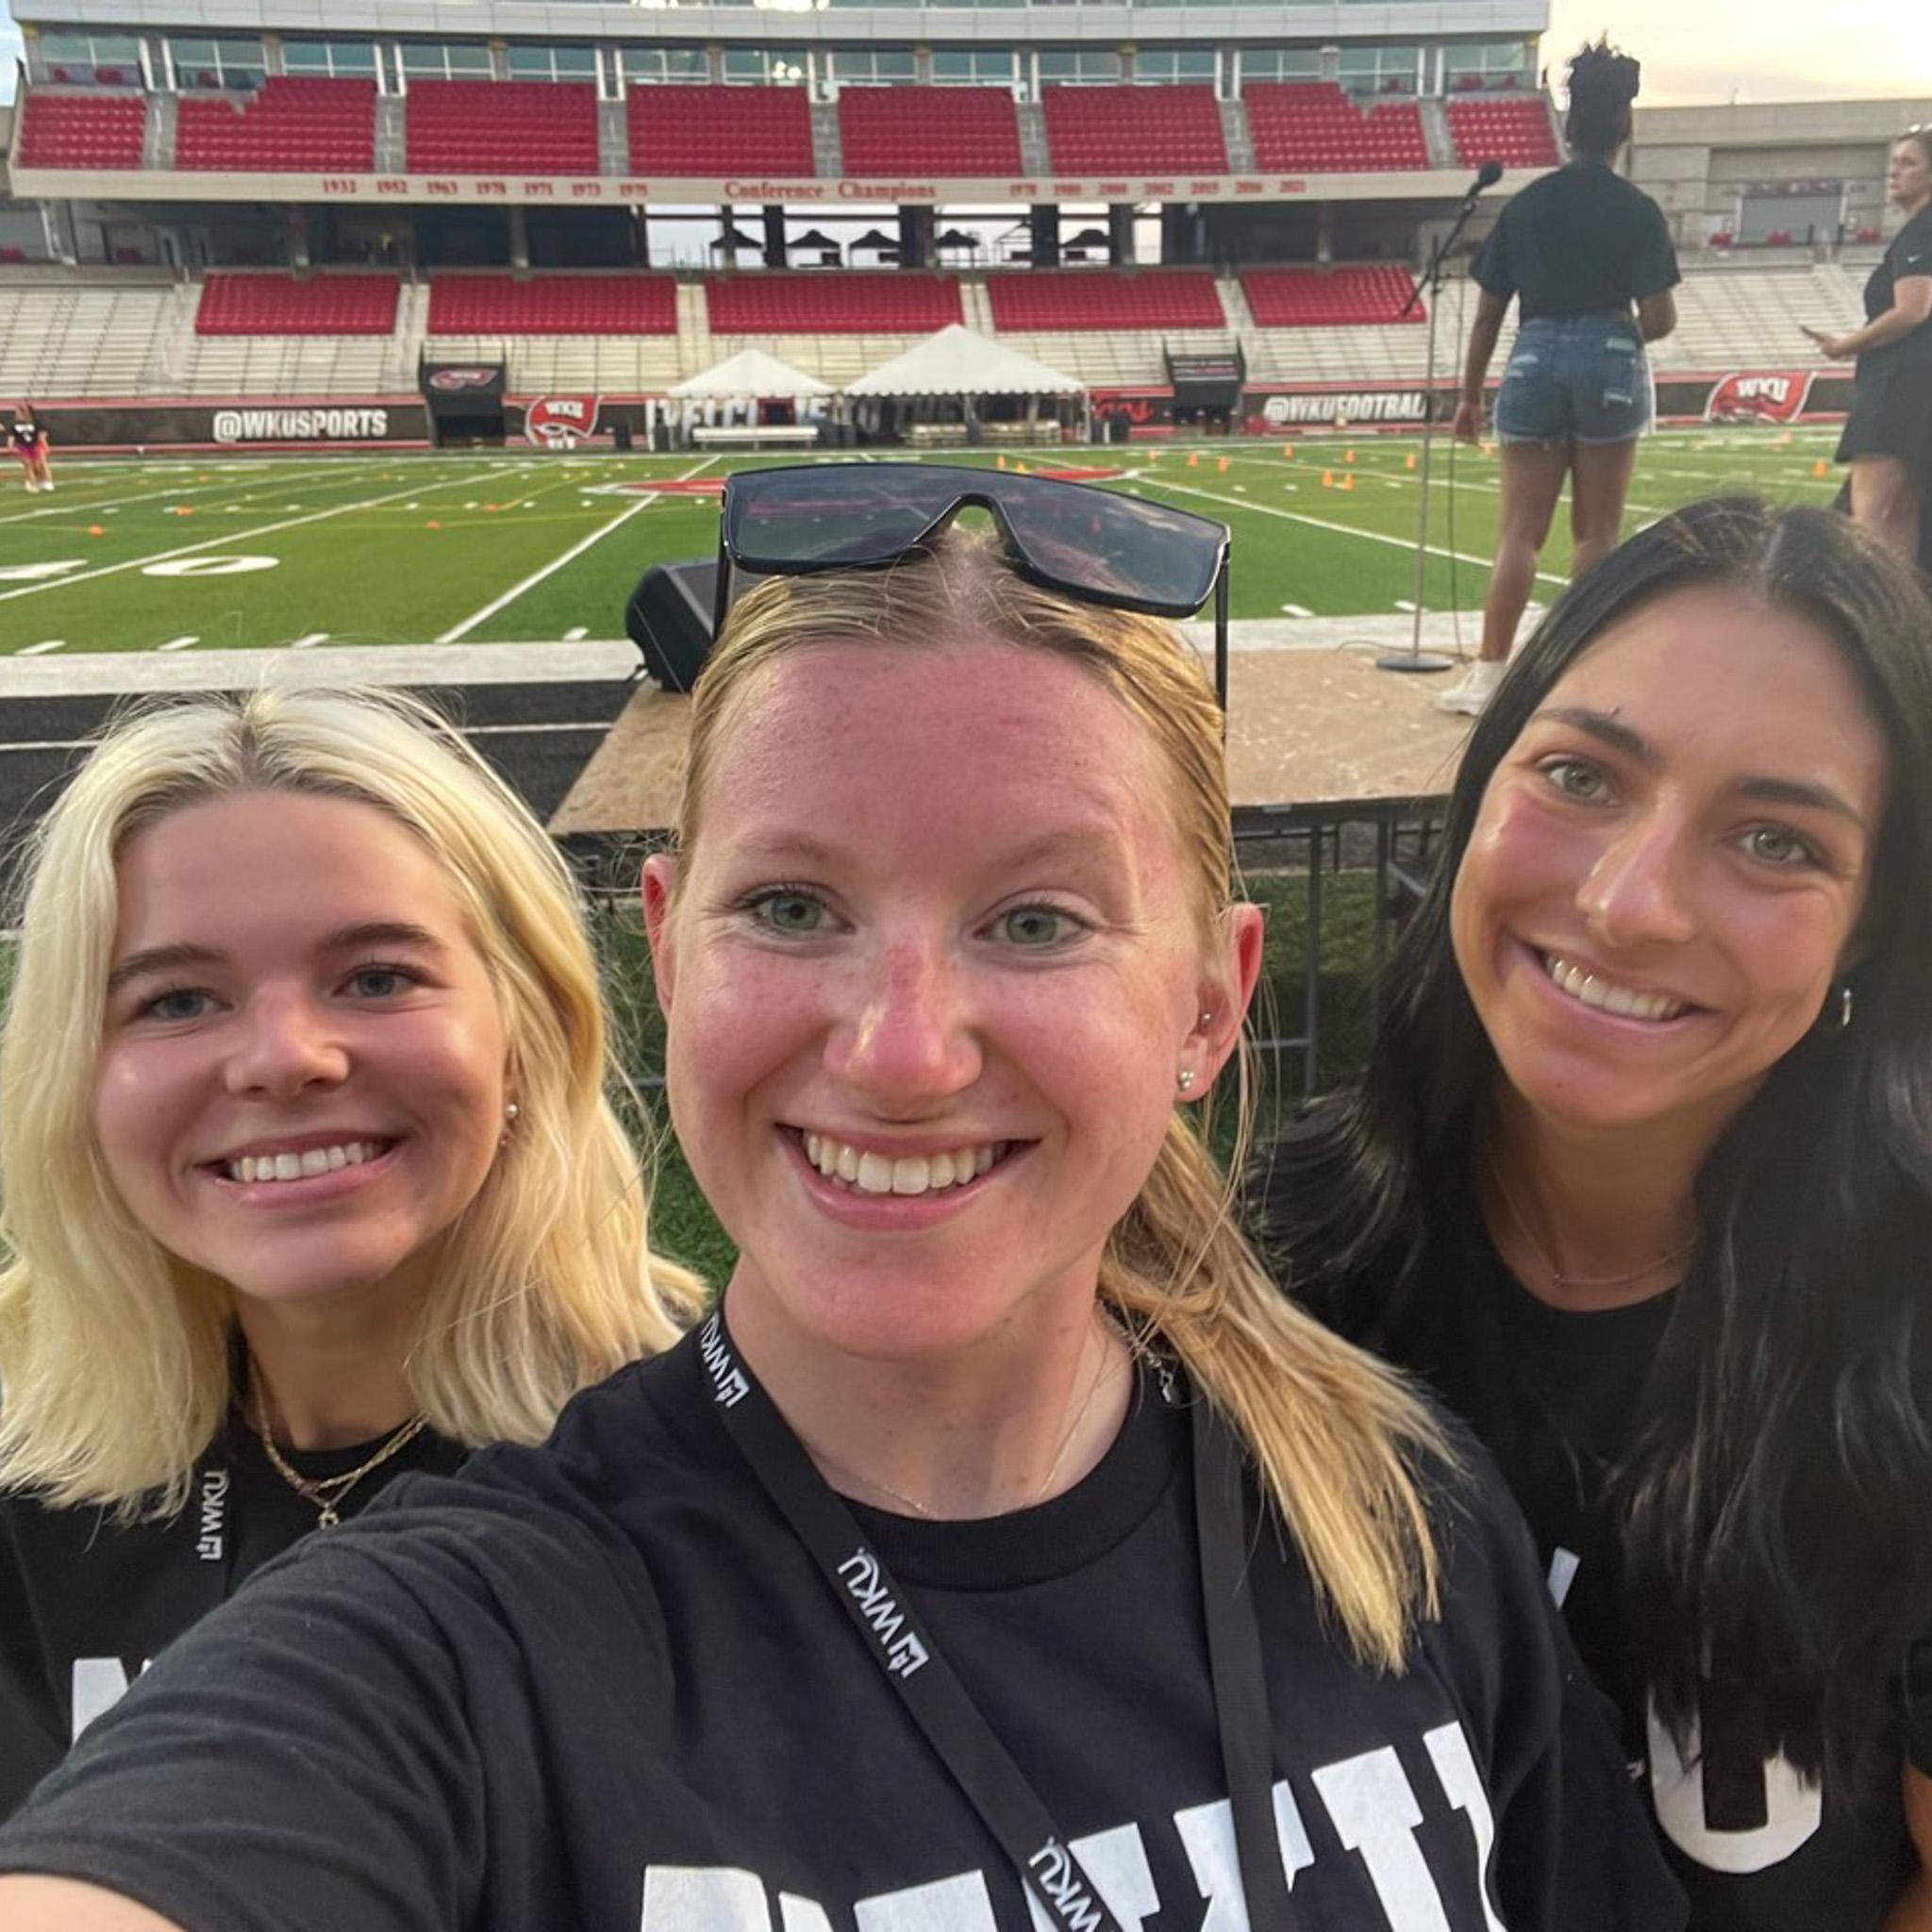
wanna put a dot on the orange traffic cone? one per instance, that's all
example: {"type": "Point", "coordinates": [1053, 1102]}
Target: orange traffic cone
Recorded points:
{"type": "Point", "coordinates": [1348, 456]}
{"type": "Point", "coordinates": [1194, 459]}
{"type": "Point", "coordinates": [999, 463]}
{"type": "Point", "coordinates": [96, 530]}
{"type": "Point", "coordinates": [1222, 465]}
{"type": "Point", "coordinates": [1023, 469]}
{"type": "Point", "coordinates": [1288, 450]}
{"type": "Point", "coordinates": [1327, 479]}
{"type": "Point", "coordinates": [1409, 461]}
{"type": "Point", "coordinates": [1348, 483]}
{"type": "Point", "coordinates": [1821, 469]}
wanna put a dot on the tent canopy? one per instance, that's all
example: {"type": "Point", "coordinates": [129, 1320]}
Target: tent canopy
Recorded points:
{"type": "Point", "coordinates": [958, 363]}
{"type": "Point", "coordinates": [753, 373]}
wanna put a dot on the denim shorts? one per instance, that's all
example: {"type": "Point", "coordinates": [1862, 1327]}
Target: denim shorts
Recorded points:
{"type": "Point", "coordinates": [1576, 378]}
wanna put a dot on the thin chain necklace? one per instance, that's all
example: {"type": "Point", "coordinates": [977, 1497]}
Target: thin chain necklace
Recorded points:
{"type": "Point", "coordinates": [919, 1509]}
{"type": "Point", "coordinates": [1583, 1281]}
{"type": "Point", "coordinates": [328, 1492]}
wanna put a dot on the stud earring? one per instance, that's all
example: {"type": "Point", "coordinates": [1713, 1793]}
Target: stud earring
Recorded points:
{"type": "Point", "coordinates": [1187, 1078]}
{"type": "Point", "coordinates": [512, 1114]}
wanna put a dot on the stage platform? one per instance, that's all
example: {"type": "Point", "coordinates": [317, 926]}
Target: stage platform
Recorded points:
{"type": "Point", "coordinates": [1309, 727]}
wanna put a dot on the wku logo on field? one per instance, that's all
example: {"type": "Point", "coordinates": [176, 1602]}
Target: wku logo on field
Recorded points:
{"type": "Point", "coordinates": [1776, 397]}
{"type": "Point", "coordinates": [560, 419]}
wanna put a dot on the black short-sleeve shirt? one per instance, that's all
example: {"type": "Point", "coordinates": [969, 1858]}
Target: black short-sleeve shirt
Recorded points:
{"type": "Point", "coordinates": [600, 1687]}
{"type": "Point", "coordinates": [1579, 241]}
{"type": "Point", "coordinates": [1911, 254]}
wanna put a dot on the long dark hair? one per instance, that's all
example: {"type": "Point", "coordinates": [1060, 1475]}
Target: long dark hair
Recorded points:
{"type": "Point", "coordinates": [1603, 83]}
{"type": "Point", "coordinates": [1777, 1499]}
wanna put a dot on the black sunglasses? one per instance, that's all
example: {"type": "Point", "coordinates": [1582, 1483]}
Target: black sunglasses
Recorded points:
{"type": "Point", "coordinates": [1091, 544]}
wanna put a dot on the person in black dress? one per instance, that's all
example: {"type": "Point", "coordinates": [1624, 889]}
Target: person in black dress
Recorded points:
{"type": "Point", "coordinates": [1639, 1178]}
{"type": "Point", "coordinates": [308, 1177]}
{"type": "Point", "coordinates": [1888, 436]}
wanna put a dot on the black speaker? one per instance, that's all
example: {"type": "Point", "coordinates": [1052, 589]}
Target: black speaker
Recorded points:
{"type": "Point", "coordinates": [621, 435]}
{"type": "Point", "coordinates": [669, 620]}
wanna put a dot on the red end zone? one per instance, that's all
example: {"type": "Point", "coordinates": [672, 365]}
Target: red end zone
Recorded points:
{"type": "Point", "coordinates": [671, 486]}
{"type": "Point", "coordinates": [713, 486]}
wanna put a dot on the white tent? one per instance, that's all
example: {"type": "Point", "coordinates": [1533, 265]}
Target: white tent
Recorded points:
{"type": "Point", "coordinates": [752, 375]}
{"type": "Point", "coordinates": [958, 363]}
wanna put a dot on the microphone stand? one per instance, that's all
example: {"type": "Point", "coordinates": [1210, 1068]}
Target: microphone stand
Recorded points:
{"type": "Point", "coordinates": [1415, 658]}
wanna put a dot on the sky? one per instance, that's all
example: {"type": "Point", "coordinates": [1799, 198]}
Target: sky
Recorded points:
{"type": "Point", "coordinates": [1692, 50]}
{"type": "Point", "coordinates": [1695, 52]}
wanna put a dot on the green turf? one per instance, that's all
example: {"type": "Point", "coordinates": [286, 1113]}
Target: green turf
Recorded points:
{"type": "Point", "coordinates": [405, 549]}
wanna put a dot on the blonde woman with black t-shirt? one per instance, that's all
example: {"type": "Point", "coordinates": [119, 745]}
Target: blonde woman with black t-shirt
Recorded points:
{"type": "Point", "coordinates": [309, 1177]}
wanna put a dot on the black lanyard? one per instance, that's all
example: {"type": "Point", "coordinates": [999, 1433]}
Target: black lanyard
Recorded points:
{"type": "Point", "coordinates": [940, 1705]}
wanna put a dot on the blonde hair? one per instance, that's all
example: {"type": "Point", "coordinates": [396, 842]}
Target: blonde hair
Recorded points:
{"type": "Point", "coordinates": [1336, 1434]}
{"type": "Point", "coordinates": [114, 1357]}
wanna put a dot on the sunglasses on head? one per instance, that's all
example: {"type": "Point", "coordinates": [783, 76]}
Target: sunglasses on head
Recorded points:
{"type": "Point", "coordinates": [1090, 544]}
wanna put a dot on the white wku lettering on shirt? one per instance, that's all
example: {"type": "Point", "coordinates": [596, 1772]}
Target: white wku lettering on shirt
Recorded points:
{"type": "Point", "coordinates": [1793, 1807]}
{"type": "Point", "coordinates": [1375, 1813]}
{"type": "Point", "coordinates": [1368, 1799]}
{"type": "Point", "coordinates": [98, 1684]}
{"type": "Point", "coordinates": [1207, 1838]}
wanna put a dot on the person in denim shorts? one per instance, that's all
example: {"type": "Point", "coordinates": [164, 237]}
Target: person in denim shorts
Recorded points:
{"type": "Point", "coordinates": [1588, 258]}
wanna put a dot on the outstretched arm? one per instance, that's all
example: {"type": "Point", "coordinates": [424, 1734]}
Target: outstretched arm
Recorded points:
{"type": "Point", "coordinates": [59, 1905]}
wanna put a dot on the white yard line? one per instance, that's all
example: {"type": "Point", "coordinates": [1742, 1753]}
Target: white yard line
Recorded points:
{"type": "Point", "coordinates": [1295, 516]}
{"type": "Point", "coordinates": [74, 505]}
{"type": "Point", "coordinates": [227, 537]}
{"type": "Point", "coordinates": [457, 632]}
{"type": "Point", "coordinates": [40, 650]}
{"type": "Point", "coordinates": [179, 643]}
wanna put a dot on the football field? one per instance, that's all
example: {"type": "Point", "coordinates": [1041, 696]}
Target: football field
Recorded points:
{"type": "Point", "coordinates": [173, 555]}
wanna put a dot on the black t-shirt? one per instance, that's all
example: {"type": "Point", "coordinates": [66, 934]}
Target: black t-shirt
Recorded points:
{"type": "Point", "coordinates": [1579, 241]}
{"type": "Point", "coordinates": [86, 1604]}
{"type": "Point", "coordinates": [601, 1687]}
{"type": "Point", "coordinates": [1911, 254]}
{"type": "Point", "coordinates": [1555, 1396]}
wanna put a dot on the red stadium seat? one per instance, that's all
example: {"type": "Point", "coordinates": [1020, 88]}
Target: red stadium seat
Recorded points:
{"type": "Point", "coordinates": [1141, 130]}
{"type": "Point", "coordinates": [1517, 133]}
{"type": "Point", "coordinates": [90, 130]}
{"type": "Point", "coordinates": [282, 305]}
{"type": "Point", "coordinates": [776, 303]}
{"type": "Point", "coordinates": [293, 122]}
{"type": "Point", "coordinates": [707, 131]}
{"type": "Point", "coordinates": [494, 126]}
{"type": "Point", "coordinates": [1314, 128]}
{"type": "Point", "coordinates": [1068, 299]}
{"type": "Point", "coordinates": [1329, 299]}
{"type": "Point", "coordinates": [889, 131]}
{"type": "Point", "coordinates": [613, 305]}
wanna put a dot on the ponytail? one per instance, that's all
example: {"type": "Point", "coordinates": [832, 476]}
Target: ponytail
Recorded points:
{"type": "Point", "coordinates": [1336, 1435]}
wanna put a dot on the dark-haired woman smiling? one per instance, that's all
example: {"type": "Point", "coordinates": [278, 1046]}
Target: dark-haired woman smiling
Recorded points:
{"type": "Point", "coordinates": [1640, 1177]}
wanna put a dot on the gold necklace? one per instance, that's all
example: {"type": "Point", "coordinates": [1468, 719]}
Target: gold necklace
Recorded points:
{"type": "Point", "coordinates": [326, 1493]}
{"type": "Point", "coordinates": [1583, 1281]}
{"type": "Point", "coordinates": [919, 1509]}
